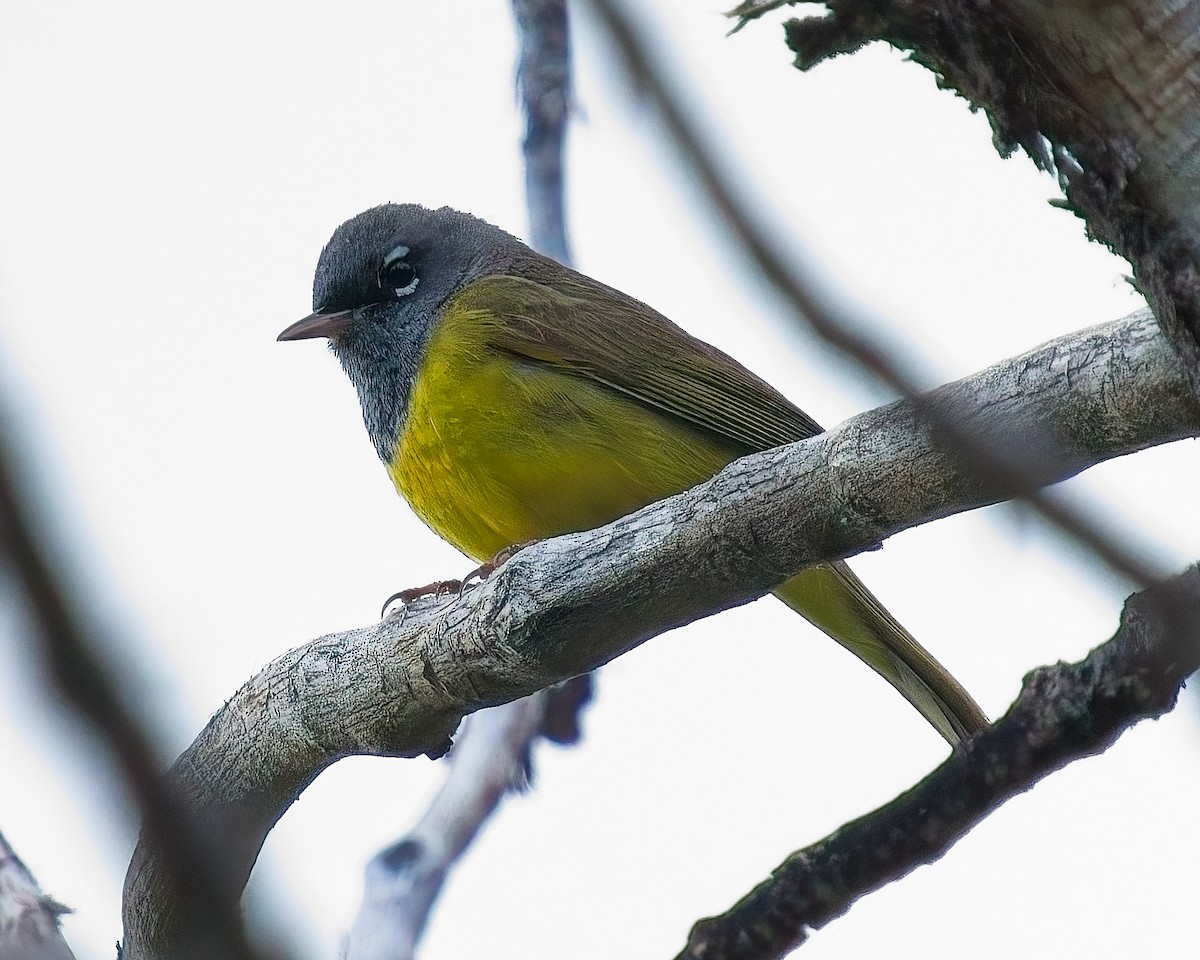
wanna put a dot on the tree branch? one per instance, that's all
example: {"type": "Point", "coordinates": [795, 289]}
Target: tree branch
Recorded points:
{"type": "Point", "coordinates": [1064, 713]}
{"type": "Point", "coordinates": [29, 920]}
{"type": "Point", "coordinates": [815, 309]}
{"type": "Point", "coordinates": [544, 84]}
{"type": "Point", "coordinates": [1107, 95]}
{"type": "Point", "coordinates": [565, 606]}
{"type": "Point", "coordinates": [404, 880]}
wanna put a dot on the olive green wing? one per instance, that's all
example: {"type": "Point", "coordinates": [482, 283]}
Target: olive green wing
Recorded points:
{"type": "Point", "coordinates": [583, 327]}
{"type": "Point", "coordinates": [558, 317]}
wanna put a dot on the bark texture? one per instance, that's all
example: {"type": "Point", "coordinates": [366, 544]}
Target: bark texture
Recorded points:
{"type": "Point", "coordinates": [1106, 95]}
{"type": "Point", "coordinates": [565, 606]}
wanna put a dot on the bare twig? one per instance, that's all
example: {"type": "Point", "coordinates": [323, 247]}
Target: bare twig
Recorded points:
{"type": "Point", "coordinates": [492, 757]}
{"type": "Point", "coordinates": [749, 10]}
{"type": "Point", "coordinates": [544, 85]}
{"type": "Point", "coordinates": [29, 920]}
{"type": "Point", "coordinates": [1065, 712]}
{"type": "Point", "coordinates": [404, 880]}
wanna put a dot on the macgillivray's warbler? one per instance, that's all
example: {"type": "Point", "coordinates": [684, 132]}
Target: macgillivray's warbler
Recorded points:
{"type": "Point", "coordinates": [513, 399]}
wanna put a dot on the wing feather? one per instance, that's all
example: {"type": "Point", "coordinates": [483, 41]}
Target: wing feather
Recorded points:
{"type": "Point", "coordinates": [585, 328]}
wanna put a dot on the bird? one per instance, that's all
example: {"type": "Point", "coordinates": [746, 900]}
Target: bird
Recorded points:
{"type": "Point", "coordinates": [513, 399]}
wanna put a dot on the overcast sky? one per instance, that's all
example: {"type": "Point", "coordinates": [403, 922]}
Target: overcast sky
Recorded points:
{"type": "Point", "coordinates": [170, 175]}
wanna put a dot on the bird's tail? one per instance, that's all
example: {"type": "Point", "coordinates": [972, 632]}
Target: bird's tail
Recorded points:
{"type": "Point", "coordinates": [833, 599]}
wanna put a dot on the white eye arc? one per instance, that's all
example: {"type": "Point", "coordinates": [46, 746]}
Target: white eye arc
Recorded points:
{"type": "Point", "coordinates": [397, 277]}
{"type": "Point", "coordinates": [408, 288]}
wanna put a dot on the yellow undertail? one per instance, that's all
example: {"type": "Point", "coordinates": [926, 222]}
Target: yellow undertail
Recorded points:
{"type": "Point", "coordinates": [834, 600]}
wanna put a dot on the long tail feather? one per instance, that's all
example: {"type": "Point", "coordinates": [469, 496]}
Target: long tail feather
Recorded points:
{"type": "Point", "coordinates": [833, 599]}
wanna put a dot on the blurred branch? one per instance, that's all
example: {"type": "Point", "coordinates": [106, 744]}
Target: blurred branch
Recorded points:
{"type": "Point", "coordinates": [1021, 475]}
{"type": "Point", "coordinates": [564, 606]}
{"type": "Point", "coordinates": [544, 85]}
{"type": "Point", "coordinates": [493, 753]}
{"type": "Point", "coordinates": [404, 880]}
{"type": "Point", "coordinates": [492, 757]}
{"type": "Point", "coordinates": [1065, 712]}
{"type": "Point", "coordinates": [29, 920]}
{"type": "Point", "coordinates": [207, 902]}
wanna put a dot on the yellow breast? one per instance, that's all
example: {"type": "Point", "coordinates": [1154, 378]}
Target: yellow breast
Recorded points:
{"type": "Point", "coordinates": [498, 450]}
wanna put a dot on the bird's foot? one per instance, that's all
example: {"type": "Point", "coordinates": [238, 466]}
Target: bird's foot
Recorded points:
{"type": "Point", "coordinates": [485, 570]}
{"type": "Point", "coordinates": [457, 587]}
{"type": "Point", "coordinates": [407, 596]}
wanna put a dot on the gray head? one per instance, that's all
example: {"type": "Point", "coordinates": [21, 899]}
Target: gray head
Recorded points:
{"type": "Point", "coordinates": [380, 285]}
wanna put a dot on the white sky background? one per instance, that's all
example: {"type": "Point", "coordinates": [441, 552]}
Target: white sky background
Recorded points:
{"type": "Point", "coordinates": [170, 175]}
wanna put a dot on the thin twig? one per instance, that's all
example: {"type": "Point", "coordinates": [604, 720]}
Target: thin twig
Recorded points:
{"type": "Point", "coordinates": [750, 10]}
{"type": "Point", "coordinates": [404, 881]}
{"type": "Point", "coordinates": [544, 86]}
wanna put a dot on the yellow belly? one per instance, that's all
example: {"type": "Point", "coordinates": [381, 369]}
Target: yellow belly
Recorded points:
{"type": "Point", "coordinates": [497, 450]}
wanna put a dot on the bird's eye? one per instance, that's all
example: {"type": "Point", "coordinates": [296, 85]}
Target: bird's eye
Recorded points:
{"type": "Point", "coordinates": [397, 277]}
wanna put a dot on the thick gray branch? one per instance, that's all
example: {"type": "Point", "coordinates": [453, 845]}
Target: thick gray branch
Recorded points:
{"type": "Point", "coordinates": [834, 324]}
{"type": "Point", "coordinates": [567, 605]}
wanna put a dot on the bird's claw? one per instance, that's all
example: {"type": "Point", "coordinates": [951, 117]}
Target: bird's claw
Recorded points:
{"type": "Point", "coordinates": [408, 595]}
{"type": "Point", "coordinates": [457, 587]}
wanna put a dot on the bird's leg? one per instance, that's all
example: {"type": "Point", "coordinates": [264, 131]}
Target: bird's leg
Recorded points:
{"type": "Point", "coordinates": [407, 596]}
{"type": "Point", "coordinates": [438, 587]}
{"type": "Point", "coordinates": [485, 570]}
